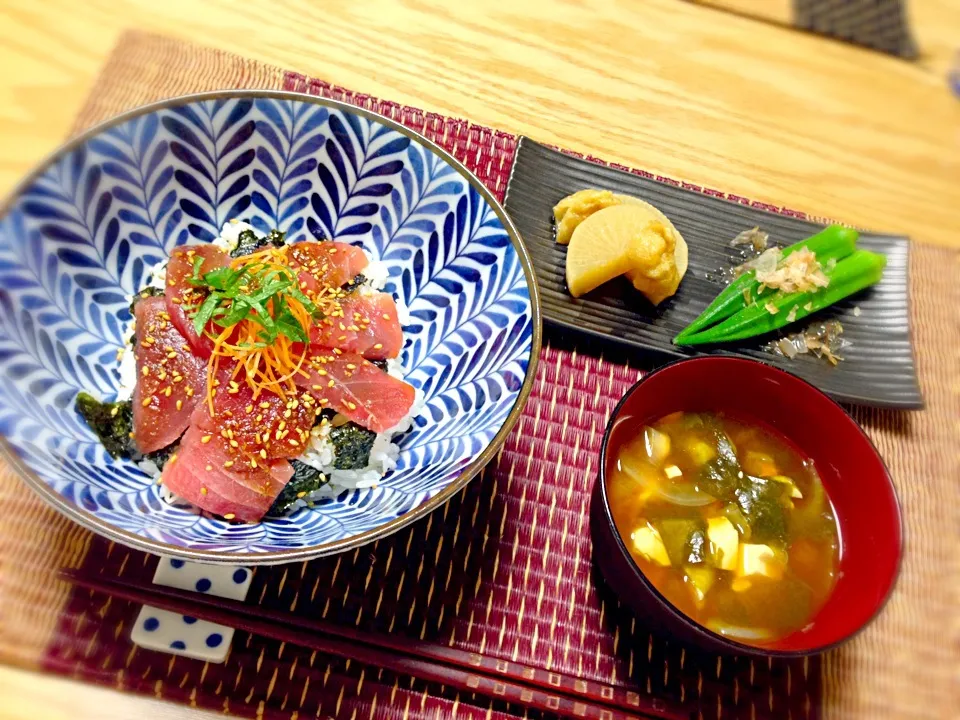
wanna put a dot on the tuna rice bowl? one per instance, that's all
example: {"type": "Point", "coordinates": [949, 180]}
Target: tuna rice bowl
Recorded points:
{"type": "Point", "coordinates": [260, 375]}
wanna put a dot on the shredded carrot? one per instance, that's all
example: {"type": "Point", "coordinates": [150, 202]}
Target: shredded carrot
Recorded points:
{"type": "Point", "coordinates": [274, 367]}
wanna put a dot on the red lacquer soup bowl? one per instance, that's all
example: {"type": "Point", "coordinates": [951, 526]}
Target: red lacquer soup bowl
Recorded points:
{"type": "Point", "coordinates": [852, 472]}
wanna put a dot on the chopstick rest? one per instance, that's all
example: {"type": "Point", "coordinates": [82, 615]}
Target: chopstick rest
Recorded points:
{"type": "Point", "coordinates": [177, 634]}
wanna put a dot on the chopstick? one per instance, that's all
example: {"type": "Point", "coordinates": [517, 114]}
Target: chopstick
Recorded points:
{"type": "Point", "coordinates": [469, 672]}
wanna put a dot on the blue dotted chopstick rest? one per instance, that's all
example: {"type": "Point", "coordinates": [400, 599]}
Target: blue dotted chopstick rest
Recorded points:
{"type": "Point", "coordinates": [163, 631]}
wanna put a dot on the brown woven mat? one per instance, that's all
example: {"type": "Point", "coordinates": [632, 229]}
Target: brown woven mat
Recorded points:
{"type": "Point", "coordinates": [554, 615]}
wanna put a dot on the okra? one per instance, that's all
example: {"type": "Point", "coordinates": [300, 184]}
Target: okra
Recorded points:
{"type": "Point", "coordinates": [855, 272]}
{"type": "Point", "coordinates": [833, 242]}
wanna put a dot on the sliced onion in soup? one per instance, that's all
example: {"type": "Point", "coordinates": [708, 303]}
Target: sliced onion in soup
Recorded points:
{"type": "Point", "coordinates": [740, 633]}
{"type": "Point", "coordinates": [653, 480]}
{"type": "Point", "coordinates": [657, 445]}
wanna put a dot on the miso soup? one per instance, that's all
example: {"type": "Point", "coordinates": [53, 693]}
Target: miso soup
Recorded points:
{"type": "Point", "coordinates": [727, 520]}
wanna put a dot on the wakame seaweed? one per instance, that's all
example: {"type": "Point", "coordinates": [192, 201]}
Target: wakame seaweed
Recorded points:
{"type": "Point", "coordinates": [353, 445]}
{"type": "Point", "coordinates": [112, 423]}
{"type": "Point", "coordinates": [761, 502]}
{"type": "Point", "coordinates": [306, 479]}
{"type": "Point", "coordinates": [249, 242]}
{"type": "Point", "coordinates": [354, 284]}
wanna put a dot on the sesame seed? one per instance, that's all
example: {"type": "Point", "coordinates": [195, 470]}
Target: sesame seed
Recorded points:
{"type": "Point", "coordinates": [352, 406]}
{"type": "Point", "coordinates": [229, 516]}
{"type": "Point", "coordinates": [146, 401]}
{"type": "Point", "coordinates": [205, 439]}
{"type": "Point", "coordinates": [171, 354]}
{"type": "Point", "coordinates": [287, 413]}
{"type": "Point", "coordinates": [168, 391]}
{"type": "Point", "coordinates": [248, 409]}
{"type": "Point", "coordinates": [317, 387]}
{"type": "Point", "coordinates": [203, 490]}
{"type": "Point", "coordinates": [331, 384]}
{"type": "Point", "coordinates": [265, 405]}
{"type": "Point", "coordinates": [228, 463]}
{"type": "Point", "coordinates": [385, 316]}
{"type": "Point", "coordinates": [145, 371]}
{"type": "Point", "coordinates": [113, 411]}
{"type": "Point", "coordinates": [179, 404]}
{"type": "Point", "coordinates": [302, 494]}
{"type": "Point", "coordinates": [378, 346]}
{"type": "Point", "coordinates": [293, 442]}
{"type": "Point", "coordinates": [321, 372]}
{"type": "Point", "coordinates": [263, 453]}
{"type": "Point", "coordinates": [253, 463]}
{"type": "Point", "coordinates": [351, 366]}
{"type": "Point", "coordinates": [209, 468]}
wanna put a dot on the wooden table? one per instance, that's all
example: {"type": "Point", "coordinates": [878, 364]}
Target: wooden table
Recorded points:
{"type": "Point", "coordinates": [678, 88]}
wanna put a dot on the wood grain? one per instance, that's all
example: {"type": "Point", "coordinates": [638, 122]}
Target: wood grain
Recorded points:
{"type": "Point", "coordinates": [780, 11]}
{"type": "Point", "coordinates": [680, 89]}
{"type": "Point", "coordinates": [30, 696]}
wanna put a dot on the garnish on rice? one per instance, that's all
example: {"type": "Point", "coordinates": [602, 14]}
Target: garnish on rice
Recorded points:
{"type": "Point", "coordinates": [256, 314]}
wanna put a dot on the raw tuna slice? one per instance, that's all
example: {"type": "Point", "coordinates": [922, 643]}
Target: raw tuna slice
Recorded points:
{"type": "Point", "coordinates": [170, 379]}
{"type": "Point", "coordinates": [368, 325]}
{"type": "Point", "coordinates": [359, 390]}
{"type": "Point", "coordinates": [213, 476]}
{"type": "Point", "coordinates": [280, 427]}
{"type": "Point", "coordinates": [325, 264]}
{"type": "Point", "coordinates": [180, 292]}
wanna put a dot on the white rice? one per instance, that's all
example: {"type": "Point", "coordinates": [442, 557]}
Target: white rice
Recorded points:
{"type": "Point", "coordinates": [320, 453]}
{"type": "Point", "coordinates": [376, 274]}
{"type": "Point", "coordinates": [127, 370]}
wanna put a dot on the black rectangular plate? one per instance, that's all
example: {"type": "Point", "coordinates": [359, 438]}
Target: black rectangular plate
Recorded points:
{"type": "Point", "coordinates": [878, 368]}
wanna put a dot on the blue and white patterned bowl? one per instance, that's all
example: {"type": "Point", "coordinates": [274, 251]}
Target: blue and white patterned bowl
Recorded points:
{"type": "Point", "coordinates": [82, 232]}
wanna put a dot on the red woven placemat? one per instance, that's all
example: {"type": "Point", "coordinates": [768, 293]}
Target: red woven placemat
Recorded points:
{"type": "Point", "coordinates": [503, 569]}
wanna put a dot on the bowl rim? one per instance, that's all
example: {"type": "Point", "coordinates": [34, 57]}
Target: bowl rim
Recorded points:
{"type": "Point", "coordinates": [158, 547]}
{"type": "Point", "coordinates": [690, 623]}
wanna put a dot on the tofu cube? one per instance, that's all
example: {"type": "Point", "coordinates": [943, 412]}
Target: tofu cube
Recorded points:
{"type": "Point", "coordinates": [647, 542]}
{"type": "Point", "coordinates": [759, 560]}
{"type": "Point", "coordinates": [700, 579]}
{"type": "Point", "coordinates": [724, 541]}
